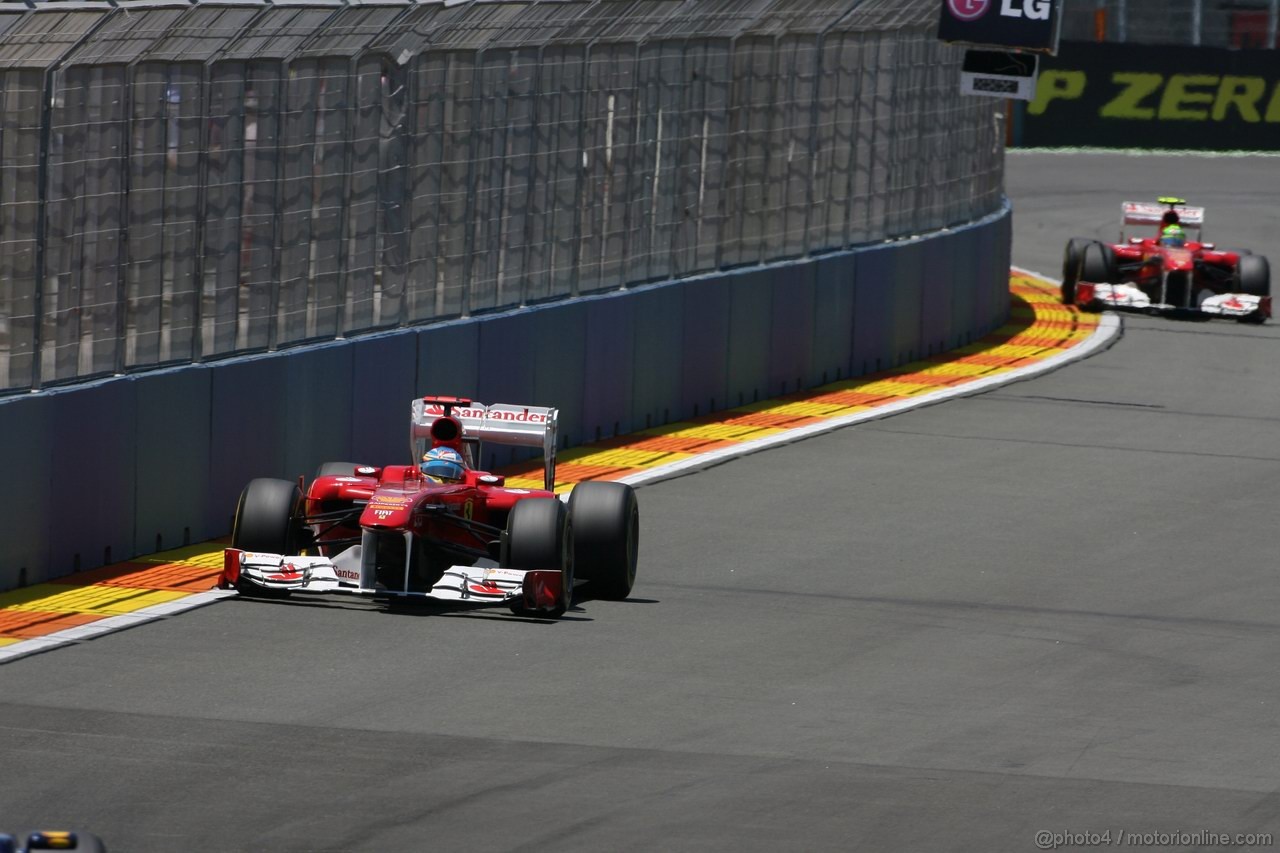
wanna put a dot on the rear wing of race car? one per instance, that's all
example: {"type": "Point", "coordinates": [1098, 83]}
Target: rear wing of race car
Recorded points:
{"type": "Point", "coordinates": [500, 423]}
{"type": "Point", "coordinates": [1145, 213]}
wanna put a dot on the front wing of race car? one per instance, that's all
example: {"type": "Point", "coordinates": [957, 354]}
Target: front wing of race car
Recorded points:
{"type": "Point", "coordinates": [1239, 306]}
{"type": "Point", "coordinates": [534, 590]}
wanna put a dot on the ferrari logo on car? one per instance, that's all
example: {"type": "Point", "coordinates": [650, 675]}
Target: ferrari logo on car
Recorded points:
{"type": "Point", "coordinates": [289, 572]}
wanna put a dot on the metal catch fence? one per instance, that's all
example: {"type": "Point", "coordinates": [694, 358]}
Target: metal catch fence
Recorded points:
{"type": "Point", "coordinates": [185, 182]}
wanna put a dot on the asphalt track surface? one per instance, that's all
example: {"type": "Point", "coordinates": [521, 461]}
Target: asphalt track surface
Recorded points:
{"type": "Point", "coordinates": [1049, 607]}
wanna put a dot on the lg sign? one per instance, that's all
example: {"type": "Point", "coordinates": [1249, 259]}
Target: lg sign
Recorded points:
{"type": "Point", "coordinates": [971, 10]}
{"type": "Point", "coordinates": [1036, 10]}
{"type": "Point", "coordinates": [1024, 25]}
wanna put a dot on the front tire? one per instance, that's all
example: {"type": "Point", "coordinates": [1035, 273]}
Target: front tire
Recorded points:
{"type": "Point", "coordinates": [606, 537]}
{"type": "Point", "coordinates": [266, 517]}
{"type": "Point", "coordinates": [1255, 275]}
{"type": "Point", "coordinates": [539, 536]}
{"type": "Point", "coordinates": [267, 521]}
{"type": "Point", "coordinates": [1071, 267]}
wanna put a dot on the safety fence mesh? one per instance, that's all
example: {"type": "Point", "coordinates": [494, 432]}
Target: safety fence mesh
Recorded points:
{"type": "Point", "coordinates": [181, 183]}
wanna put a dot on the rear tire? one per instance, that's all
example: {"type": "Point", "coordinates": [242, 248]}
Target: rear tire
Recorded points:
{"type": "Point", "coordinates": [1098, 264]}
{"type": "Point", "coordinates": [539, 536]}
{"type": "Point", "coordinates": [606, 537]}
{"type": "Point", "coordinates": [337, 469]}
{"type": "Point", "coordinates": [1255, 275]}
{"type": "Point", "coordinates": [1071, 268]}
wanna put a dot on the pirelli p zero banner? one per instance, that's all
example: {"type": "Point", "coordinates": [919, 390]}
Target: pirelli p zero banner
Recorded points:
{"type": "Point", "coordinates": [1146, 96]}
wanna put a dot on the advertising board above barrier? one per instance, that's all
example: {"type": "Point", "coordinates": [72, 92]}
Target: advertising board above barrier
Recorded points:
{"type": "Point", "coordinates": [1154, 96]}
{"type": "Point", "coordinates": [1021, 24]}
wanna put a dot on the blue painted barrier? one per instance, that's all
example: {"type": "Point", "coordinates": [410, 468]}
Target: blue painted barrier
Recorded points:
{"type": "Point", "coordinates": [383, 368]}
{"type": "Point", "coordinates": [608, 376]}
{"type": "Point", "coordinates": [560, 350]}
{"type": "Point", "coordinates": [448, 362]}
{"type": "Point", "coordinates": [965, 318]}
{"type": "Point", "coordinates": [657, 365]}
{"type": "Point", "coordinates": [908, 303]}
{"type": "Point", "coordinates": [833, 306]}
{"type": "Point", "coordinates": [993, 303]}
{"type": "Point", "coordinates": [750, 334]}
{"type": "Point", "coordinates": [26, 457]}
{"type": "Point", "coordinates": [938, 285]}
{"type": "Point", "coordinates": [506, 369]}
{"type": "Point", "coordinates": [791, 335]}
{"type": "Point", "coordinates": [318, 405]}
{"type": "Point", "coordinates": [873, 306]}
{"type": "Point", "coordinates": [93, 474]}
{"type": "Point", "coordinates": [172, 455]}
{"type": "Point", "coordinates": [247, 430]}
{"type": "Point", "coordinates": [704, 346]}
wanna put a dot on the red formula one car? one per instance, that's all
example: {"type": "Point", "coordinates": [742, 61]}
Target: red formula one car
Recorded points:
{"type": "Point", "coordinates": [1166, 273]}
{"type": "Point", "coordinates": [439, 529]}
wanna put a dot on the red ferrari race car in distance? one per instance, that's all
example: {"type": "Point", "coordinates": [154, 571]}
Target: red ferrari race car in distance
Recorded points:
{"type": "Point", "coordinates": [1166, 273]}
{"type": "Point", "coordinates": [439, 528]}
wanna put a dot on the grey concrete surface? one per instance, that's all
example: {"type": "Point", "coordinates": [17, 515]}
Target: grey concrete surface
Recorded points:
{"type": "Point", "coordinates": [1050, 607]}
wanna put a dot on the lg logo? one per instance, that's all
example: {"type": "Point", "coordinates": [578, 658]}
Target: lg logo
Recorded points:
{"type": "Point", "coordinates": [971, 10]}
{"type": "Point", "coordinates": [1036, 10]}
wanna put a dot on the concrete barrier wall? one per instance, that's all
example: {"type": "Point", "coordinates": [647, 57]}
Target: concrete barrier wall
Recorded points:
{"type": "Point", "coordinates": [126, 466]}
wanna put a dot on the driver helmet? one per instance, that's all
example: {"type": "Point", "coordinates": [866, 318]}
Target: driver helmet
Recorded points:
{"type": "Point", "coordinates": [443, 463]}
{"type": "Point", "coordinates": [1173, 235]}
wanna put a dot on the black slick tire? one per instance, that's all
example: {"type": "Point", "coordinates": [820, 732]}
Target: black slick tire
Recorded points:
{"type": "Point", "coordinates": [266, 521]}
{"type": "Point", "coordinates": [1071, 267]}
{"type": "Point", "coordinates": [265, 517]}
{"type": "Point", "coordinates": [337, 469]}
{"type": "Point", "coordinates": [1098, 264]}
{"type": "Point", "coordinates": [606, 537]}
{"type": "Point", "coordinates": [539, 536]}
{"type": "Point", "coordinates": [1255, 275]}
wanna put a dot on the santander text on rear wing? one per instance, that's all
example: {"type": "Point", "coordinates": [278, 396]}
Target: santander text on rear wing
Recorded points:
{"type": "Point", "coordinates": [500, 423]}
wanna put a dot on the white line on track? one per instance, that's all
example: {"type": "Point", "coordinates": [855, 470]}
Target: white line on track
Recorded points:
{"type": "Point", "coordinates": [1108, 330]}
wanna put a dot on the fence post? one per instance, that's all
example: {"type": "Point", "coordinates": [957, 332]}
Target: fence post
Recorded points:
{"type": "Point", "coordinates": [126, 182]}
